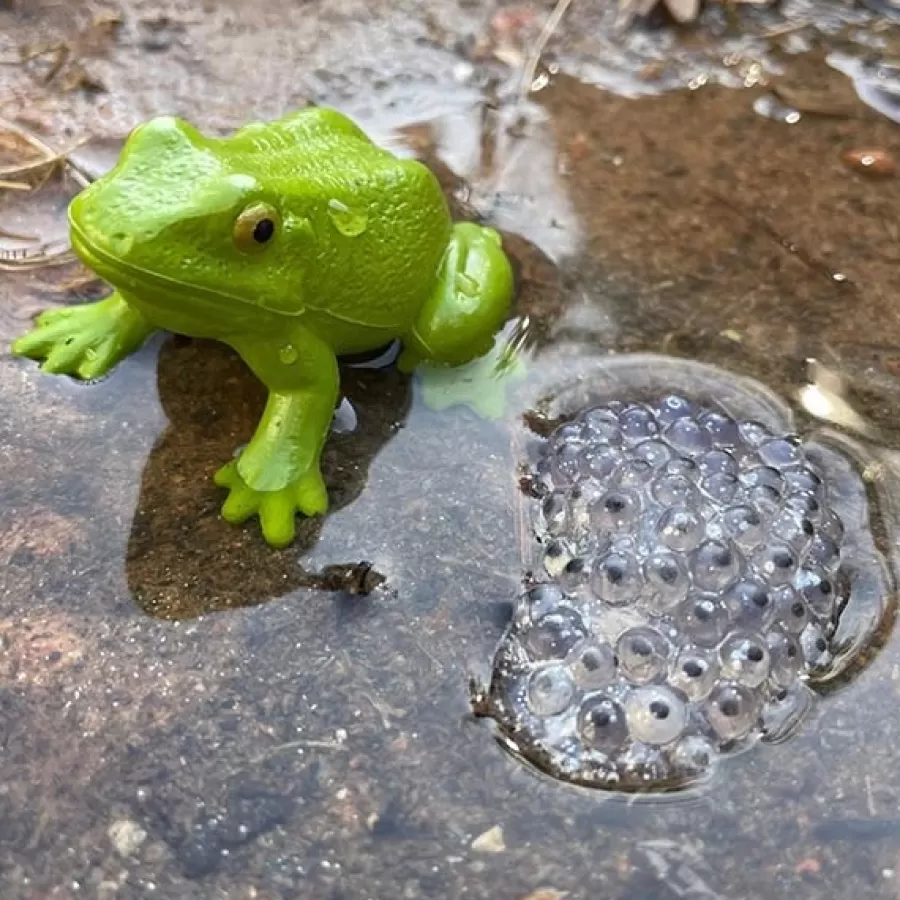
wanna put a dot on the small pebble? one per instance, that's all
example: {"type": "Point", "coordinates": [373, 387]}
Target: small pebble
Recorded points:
{"type": "Point", "coordinates": [490, 841]}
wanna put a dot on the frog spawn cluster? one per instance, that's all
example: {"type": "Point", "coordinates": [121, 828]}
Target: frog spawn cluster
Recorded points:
{"type": "Point", "coordinates": [693, 582]}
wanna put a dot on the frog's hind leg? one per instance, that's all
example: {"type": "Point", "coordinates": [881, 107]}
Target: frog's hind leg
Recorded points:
{"type": "Point", "coordinates": [85, 341]}
{"type": "Point", "coordinates": [469, 305]}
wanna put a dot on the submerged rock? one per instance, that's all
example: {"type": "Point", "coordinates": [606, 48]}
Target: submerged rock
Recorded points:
{"type": "Point", "coordinates": [696, 566]}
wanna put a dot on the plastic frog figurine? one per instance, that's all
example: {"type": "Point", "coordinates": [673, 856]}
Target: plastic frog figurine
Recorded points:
{"type": "Point", "coordinates": [294, 242]}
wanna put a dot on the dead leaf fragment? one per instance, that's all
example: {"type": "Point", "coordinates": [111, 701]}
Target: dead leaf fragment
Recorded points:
{"type": "Point", "coordinates": [490, 841]}
{"type": "Point", "coordinates": [546, 894]}
{"type": "Point", "coordinates": [879, 163]}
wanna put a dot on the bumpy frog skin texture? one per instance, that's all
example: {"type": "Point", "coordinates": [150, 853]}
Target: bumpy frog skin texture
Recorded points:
{"type": "Point", "coordinates": [294, 242]}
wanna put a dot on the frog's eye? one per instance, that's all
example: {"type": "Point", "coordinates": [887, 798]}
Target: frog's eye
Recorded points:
{"type": "Point", "coordinates": [255, 227]}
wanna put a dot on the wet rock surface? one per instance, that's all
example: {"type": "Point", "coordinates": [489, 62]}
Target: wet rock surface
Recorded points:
{"type": "Point", "coordinates": [155, 660]}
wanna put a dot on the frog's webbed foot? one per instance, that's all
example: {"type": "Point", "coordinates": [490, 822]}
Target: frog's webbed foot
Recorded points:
{"type": "Point", "coordinates": [276, 509]}
{"type": "Point", "coordinates": [85, 341]}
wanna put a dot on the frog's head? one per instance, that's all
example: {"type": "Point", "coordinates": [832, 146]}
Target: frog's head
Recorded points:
{"type": "Point", "coordinates": [183, 224]}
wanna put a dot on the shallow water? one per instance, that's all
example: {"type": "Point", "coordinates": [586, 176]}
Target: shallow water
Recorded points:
{"type": "Point", "coordinates": [185, 717]}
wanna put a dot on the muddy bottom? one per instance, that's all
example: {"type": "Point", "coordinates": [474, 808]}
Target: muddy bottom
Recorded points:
{"type": "Point", "coordinates": [189, 714]}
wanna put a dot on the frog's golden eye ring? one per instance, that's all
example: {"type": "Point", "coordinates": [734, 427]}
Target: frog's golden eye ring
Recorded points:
{"type": "Point", "coordinates": [255, 227]}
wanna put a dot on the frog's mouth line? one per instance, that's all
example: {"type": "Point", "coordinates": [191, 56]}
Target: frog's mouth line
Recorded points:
{"type": "Point", "coordinates": [134, 278]}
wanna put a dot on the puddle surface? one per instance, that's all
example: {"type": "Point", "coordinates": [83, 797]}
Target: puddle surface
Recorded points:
{"type": "Point", "coordinates": [189, 714]}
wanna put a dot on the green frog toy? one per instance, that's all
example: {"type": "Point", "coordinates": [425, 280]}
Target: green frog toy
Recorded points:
{"type": "Point", "coordinates": [294, 242]}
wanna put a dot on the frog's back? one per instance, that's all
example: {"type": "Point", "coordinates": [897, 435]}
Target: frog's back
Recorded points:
{"type": "Point", "coordinates": [380, 225]}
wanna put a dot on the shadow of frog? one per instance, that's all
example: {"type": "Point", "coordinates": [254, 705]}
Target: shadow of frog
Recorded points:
{"type": "Point", "coordinates": [183, 560]}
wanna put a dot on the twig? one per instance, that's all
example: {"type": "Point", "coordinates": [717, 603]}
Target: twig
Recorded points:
{"type": "Point", "coordinates": [82, 179]}
{"type": "Point", "coordinates": [833, 276]}
{"type": "Point", "coordinates": [534, 56]}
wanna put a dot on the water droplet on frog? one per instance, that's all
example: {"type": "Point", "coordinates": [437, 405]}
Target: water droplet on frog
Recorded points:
{"type": "Point", "coordinates": [348, 221]}
{"type": "Point", "coordinates": [288, 354]}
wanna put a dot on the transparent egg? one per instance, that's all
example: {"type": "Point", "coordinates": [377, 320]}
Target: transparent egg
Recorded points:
{"type": "Point", "coordinates": [643, 654]}
{"type": "Point", "coordinates": [806, 504]}
{"type": "Point", "coordinates": [693, 755]}
{"type": "Point", "coordinates": [564, 464]}
{"type": "Point", "coordinates": [750, 604]}
{"type": "Point", "coordinates": [745, 659]}
{"type": "Point", "coordinates": [825, 552]}
{"type": "Point", "coordinates": [781, 452]}
{"type": "Point", "coordinates": [665, 581]}
{"type": "Point", "coordinates": [744, 524]}
{"type": "Point", "coordinates": [754, 433]}
{"type": "Point", "coordinates": [575, 574]}
{"type": "Point", "coordinates": [775, 561]}
{"type": "Point", "coordinates": [791, 612]}
{"type": "Point", "coordinates": [598, 461]}
{"type": "Point", "coordinates": [816, 649]}
{"type": "Point", "coordinates": [592, 664]}
{"type": "Point", "coordinates": [720, 487]}
{"type": "Point", "coordinates": [567, 433]}
{"type": "Point", "coordinates": [542, 598]}
{"type": "Point", "coordinates": [831, 526]}
{"type": "Point", "coordinates": [674, 490]}
{"type": "Point", "coordinates": [784, 712]}
{"type": "Point", "coordinates": [714, 565]}
{"type": "Point", "coordinates": [615, 511]}
{"type": "Point", "coordinates": [765, 500]}
{"type": "Point", "coordinates": [634, 473]}
{"type": "Point", "coordinates": [653, 452]}
{"type": "Point", "coordinates": [686, 468]}
{"type": "Point", "coordinates": [687, 436]}
{"type": "Point", "coordinates": [550, 690]}
{"type": "Point", "coordinates": [722, 429]}
{"type": "Point", "coordinates": [656, 715]}
{"type": "Point", "coordinates": [818, 590]}
{"type": "Point", "coordinates": [695, 672]}
{"type": "Point", "coordinates": [763, 476]}
{"type": "Point", "coordinates": [785, 655]}
{"type": "Point", "coordinates": [602, 724]}
{"type": "Point", "coordinates": [680, 528]}
{"type": "Point", "coordinates": [732, 711]}
{"type": "Point", "coordinates": [716, 462]}
{"type": "Point", "coordinates": [703, 618]}
{"type": "Point", "coordinates": [674, 407]}
{"type": "Point", "coordinates": [637, 423]}
{"type": "Point", "coordinates": [601, 425]}
{"type": "Point", "coordinates": [553, 635]}
{"type": "Point", "coordinates": [793, 528]}
{"type": "Point", "coordinates": [805, 481]}
{"type": "Point", "coordinates": [554, 513]}
{"type": "Point", "coordinates": [616, 578]}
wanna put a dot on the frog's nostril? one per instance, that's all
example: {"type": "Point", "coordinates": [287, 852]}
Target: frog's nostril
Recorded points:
{"type": "Point", "coordinates": [120, 243]}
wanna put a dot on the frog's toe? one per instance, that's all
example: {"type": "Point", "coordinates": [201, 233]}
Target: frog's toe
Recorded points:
{"type": "Point", "coordinates": [36, 344]}
{"type": "Point", "coordinates": [276, 516]}
{"type": "Point", "coordinates": [67, 355]}
{"type": "Point", "coordinates": [310, 493]}
{"type": "Point", "coordinates": [242, 502]}
{"type": "Point", "coordinates": [97, 361]}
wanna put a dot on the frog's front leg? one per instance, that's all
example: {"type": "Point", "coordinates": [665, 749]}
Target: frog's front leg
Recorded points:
{"type": "Point", "coordinates": [277, 474]}
{"type": "Point", "coordinates": [86, 340]}
{"type": "Point", "coordinates": [469, 304]}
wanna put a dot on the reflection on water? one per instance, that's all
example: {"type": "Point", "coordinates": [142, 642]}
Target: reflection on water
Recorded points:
{"type": "Point", "coordinates": [253, 737]}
